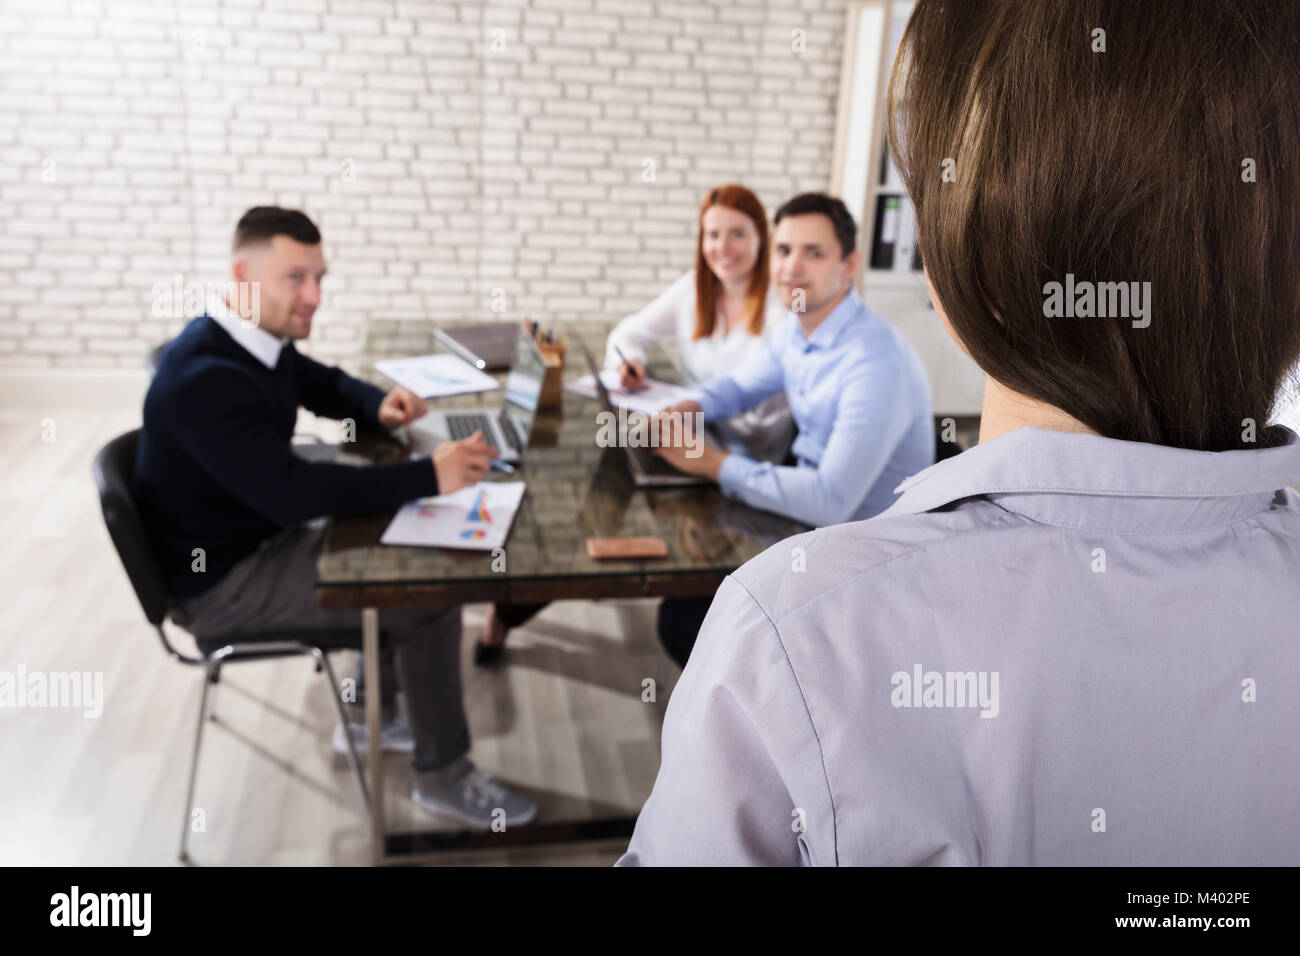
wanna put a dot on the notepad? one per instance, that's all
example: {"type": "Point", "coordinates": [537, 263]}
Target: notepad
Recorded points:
{"type": "Point", "coordinates": [652, 398]}
{"type": "Point", "coordinates": [476, 518]}
{"type": "Point", "coordinates": [433, 376]}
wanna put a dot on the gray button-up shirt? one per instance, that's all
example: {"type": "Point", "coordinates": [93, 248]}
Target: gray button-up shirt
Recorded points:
{"type": "Point", "coordinates": [1053, 649]}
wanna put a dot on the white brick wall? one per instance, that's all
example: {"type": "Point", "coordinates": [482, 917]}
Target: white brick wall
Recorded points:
{"type": "Point", "coordinates": [446, 149]}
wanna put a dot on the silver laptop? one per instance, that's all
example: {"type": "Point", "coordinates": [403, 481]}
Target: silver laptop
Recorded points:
{"type": "Point", "coordinates": [506, 428]}
{"type": "Point", "coordinates": [648, 469]}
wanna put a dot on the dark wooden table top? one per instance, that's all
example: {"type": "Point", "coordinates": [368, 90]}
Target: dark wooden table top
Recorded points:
{"type": "Point", "coordinates": [575, 490]}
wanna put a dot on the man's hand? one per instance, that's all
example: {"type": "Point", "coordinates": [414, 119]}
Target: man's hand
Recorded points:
{"type": "Point", "coordinates": [684, 409]}
{"type": "Point", "coordinates": [681, 441]}
{"type": "Point", "coordinates": [460, 464]}
{"type": "Point", "coordinates": [675, 424]}
{"type": "Point", "coordinates": [401, 406]}
{"type": "Point", "coordinates": [707, 465]}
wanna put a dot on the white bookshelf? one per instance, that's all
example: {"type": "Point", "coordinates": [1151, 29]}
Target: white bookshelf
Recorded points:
{"type": "Point", "coordinates": [873, 30]}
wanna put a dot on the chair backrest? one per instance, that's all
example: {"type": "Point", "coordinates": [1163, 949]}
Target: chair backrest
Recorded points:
{"type": "Point", "coordinates": [114, 467]}
{"type": "Point", "coordinates": [943, 450]}
{"type": "Point", "coordinates": [154, 357]}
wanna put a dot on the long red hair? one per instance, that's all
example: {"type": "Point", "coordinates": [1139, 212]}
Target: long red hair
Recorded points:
{"type": "Point", "coordinates": [707, 286]}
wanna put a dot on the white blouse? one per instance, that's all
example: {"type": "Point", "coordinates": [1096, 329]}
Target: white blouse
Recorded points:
{"type": "Point", "coordinates": [765, 431]}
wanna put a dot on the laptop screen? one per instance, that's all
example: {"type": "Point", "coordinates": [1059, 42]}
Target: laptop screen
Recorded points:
{"type": "Point", "coordinates": [524, 383]}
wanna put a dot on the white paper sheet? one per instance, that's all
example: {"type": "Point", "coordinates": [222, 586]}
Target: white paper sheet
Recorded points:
{"type": "Point", "coordinates": [655, 396]}
{"type": "Point", "coordinates": [476, 518]}
{"type": "Point", "coordinates": [433, 376]}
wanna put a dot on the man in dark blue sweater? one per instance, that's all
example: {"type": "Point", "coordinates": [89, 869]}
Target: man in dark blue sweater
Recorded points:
{"type": "Point", "coordinates": [231, 509]}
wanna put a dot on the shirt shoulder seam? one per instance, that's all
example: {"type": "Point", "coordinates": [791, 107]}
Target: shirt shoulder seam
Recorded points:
{"type": "Point", "coordinates": [918, 549]}
{"type": "Point", "coordinates": [1095, 529]}
{"type": "Point", "coordinates": [821, 753]}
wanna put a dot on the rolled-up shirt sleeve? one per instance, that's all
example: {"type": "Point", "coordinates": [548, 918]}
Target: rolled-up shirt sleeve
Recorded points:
{"type": "Point", "coordinates": [759, 378]}
{"type": "Point", "coordinates": [871, 417]}
{"type": "Point", "coordinates": [741, 780]}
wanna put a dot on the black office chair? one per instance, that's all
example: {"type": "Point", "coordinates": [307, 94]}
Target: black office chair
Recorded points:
{"type": "Point", "coordinates": [944, 450]}
{"type": "Point", "coordinates": [113, 468]}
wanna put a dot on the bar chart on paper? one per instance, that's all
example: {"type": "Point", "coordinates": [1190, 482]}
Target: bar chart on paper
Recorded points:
{"type": "Point", "coordinates": [477, 518]}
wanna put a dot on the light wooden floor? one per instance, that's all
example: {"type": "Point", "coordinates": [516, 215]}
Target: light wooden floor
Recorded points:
{"type": "Point", "coordinates": [564, 720]}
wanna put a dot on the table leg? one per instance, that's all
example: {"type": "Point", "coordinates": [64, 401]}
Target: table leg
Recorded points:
{"type": "Point", "coordinates": [374, 758]}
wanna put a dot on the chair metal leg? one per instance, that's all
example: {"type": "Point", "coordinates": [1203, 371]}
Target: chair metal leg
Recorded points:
{"type": "Point", "coordinates": [374, 759]}
{"type": "Point", "coordinates": [207, 699]}
{"type": "Point", "coordinates": [213, 669]}
{"type": "Point", "coordinates": [323, 664]}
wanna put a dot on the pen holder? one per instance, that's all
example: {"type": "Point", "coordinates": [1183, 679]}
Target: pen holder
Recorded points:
{"type": "Point", "coordinates": [553, 384]}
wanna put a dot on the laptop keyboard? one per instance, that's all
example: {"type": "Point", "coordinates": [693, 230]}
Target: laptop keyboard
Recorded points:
{"type": "Point", "coordinates": [464, 424]}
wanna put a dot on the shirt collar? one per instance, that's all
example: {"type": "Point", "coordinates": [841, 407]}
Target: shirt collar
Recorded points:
{"type": "Point", "coordinates": [1076, 480]}
{"type": "Point", "coordinates": [261, 344]}
{"type": "Point", "coordinates": [849, 310]}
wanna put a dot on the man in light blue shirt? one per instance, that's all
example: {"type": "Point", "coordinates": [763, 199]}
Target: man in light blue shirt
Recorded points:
{"type": "Point", "coordinates": [856, 387]}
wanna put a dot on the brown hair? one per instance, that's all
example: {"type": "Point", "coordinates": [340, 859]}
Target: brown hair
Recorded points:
{"type": "Point", "coordinates": [706, 283]}
{"type": "Point", "coordinates": [264, 223]}
{"type": "Point", "coordinates": [1127, 165]}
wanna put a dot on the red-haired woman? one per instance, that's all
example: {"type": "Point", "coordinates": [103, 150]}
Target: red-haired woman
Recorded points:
{"type": "Point", "coordinates": [717, 314]}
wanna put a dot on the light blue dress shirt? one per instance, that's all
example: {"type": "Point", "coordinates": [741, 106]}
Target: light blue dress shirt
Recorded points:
{"type": "Point", "coordinates": [1121, 622]}
{"type": "Point", "coordinates": [861, 399]}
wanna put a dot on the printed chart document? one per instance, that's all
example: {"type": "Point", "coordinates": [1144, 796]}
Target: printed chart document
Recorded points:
{"type": "Point", "coordinates": [477, 518]}
{"type": "Point", "coordinates": [655, 396]}
{"type": "Point", "coordinates": [433, 376]}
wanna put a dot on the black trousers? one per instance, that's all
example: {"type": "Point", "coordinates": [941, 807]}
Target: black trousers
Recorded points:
{"type": "Point", "coordinates": [271, 589]}
{"type": "Point", "coordinates": [679, 625]}
{"type": "Point", "coordinates": [678, 622]}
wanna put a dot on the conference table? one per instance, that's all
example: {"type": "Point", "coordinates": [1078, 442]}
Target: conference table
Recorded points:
{"type": "Point", "coordinates": [576, 489]}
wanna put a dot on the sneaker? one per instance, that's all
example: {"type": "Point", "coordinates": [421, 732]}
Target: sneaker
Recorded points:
{"type": "Point", "coordinates": [464, 792]}
{"type": "Point", "coordinates": [395, 737]}
{"type": "Point", "coordinates": [485, 655]}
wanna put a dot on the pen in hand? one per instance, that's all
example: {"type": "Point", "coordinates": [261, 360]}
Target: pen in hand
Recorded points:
{"type": "Point", "coordinates": [631, 375]}
{"type": "Point", "coordinates": [631, 370]}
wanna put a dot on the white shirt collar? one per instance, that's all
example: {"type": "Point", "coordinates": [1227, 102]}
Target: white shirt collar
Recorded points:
{"type": "Point", "coordinates": [261, 344]}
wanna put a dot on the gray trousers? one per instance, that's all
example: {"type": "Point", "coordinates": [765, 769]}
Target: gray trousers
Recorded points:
{"type": "Point", "coordinates": [273, 588]}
